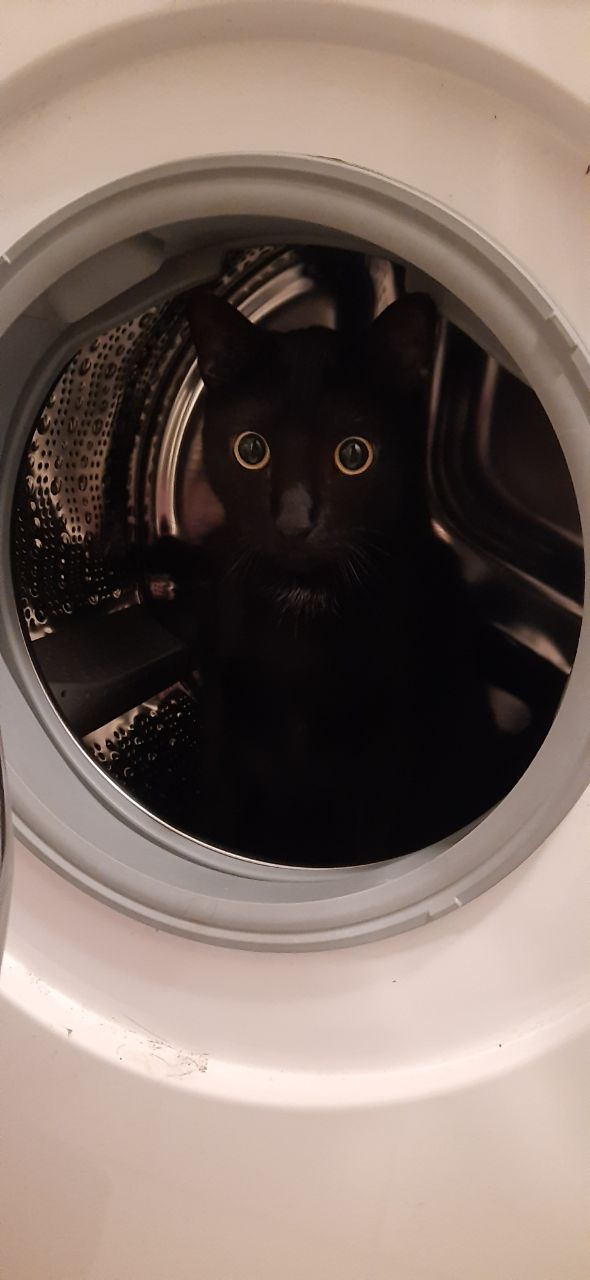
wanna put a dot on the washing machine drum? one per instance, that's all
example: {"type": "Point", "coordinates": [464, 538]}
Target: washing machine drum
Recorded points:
{"type": "Point", "coordinates": [113, 461]}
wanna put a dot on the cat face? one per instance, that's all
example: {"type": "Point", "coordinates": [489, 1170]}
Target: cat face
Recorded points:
{"type": "Point", "coordinates": [310, 446]}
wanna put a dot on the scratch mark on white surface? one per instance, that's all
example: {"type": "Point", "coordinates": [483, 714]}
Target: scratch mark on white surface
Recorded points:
{"type": "Point", "coordinates": [178, 1062]}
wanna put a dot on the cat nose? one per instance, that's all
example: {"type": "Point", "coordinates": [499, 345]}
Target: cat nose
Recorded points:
{"type": "Point", "coordinates": [295, 512]}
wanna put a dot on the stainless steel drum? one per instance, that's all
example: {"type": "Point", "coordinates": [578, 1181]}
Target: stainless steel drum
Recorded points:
{"type": "Point", "coordinates": [114, 460]}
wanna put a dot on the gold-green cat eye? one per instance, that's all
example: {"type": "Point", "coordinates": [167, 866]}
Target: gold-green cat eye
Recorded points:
{"type": "Point", "coordinates": [251, 450]}
{"type": "Point", "coordinates": [354, 455]}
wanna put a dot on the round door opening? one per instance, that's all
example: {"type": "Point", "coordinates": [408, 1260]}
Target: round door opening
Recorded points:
{"type": "Point", "coordinates": [397, 623]}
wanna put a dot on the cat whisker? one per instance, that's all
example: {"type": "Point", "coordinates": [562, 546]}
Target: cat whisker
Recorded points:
{"type": "Point", "coordinates": [362, 559]}
{"type": "Point", "coordinates": [349, 571]}
{"type": "Point", "coordinates": [371, 544]}
{"type": "Point", "coordinates": [354, 571]}
{"type": "Point", "coordinates": [240, 566]}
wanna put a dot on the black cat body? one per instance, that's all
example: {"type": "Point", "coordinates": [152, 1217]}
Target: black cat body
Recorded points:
{"type": "Point", "coordinates": [344, 715]}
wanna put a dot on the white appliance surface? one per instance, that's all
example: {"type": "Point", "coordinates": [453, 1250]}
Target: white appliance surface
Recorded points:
{"type": "Point", "coordinates": [410, 1109]}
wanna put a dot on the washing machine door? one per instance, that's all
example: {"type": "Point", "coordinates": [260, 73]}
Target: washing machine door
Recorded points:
{"type": "Point", "coordinates": [5, 853]}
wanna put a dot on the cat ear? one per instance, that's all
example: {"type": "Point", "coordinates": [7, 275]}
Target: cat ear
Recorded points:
{"type": "Point", "coordinates": [401, 343]}
{"type": "Point", "coordinates": [227, 344]}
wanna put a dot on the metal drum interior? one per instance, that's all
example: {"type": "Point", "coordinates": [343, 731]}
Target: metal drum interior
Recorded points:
{"type": "Point", "coordinates": [113, 461]}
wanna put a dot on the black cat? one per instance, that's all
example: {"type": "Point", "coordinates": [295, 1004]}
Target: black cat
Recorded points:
{"type": "Point", "coordinates": [344, 715]}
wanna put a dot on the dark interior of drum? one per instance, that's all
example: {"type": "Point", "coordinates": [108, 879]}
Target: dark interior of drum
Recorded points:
{"type": "Point", "coordinates": [113, 460]}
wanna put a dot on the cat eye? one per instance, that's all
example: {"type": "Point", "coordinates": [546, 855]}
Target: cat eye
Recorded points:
{"type": "Point", "coordinates": [354, 455]}
{"type": "Point", "coordinates": [251, 450]}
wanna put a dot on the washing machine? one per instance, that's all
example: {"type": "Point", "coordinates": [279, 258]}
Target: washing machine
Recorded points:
{"type": "Point", "coordinates": [221, 1065]}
